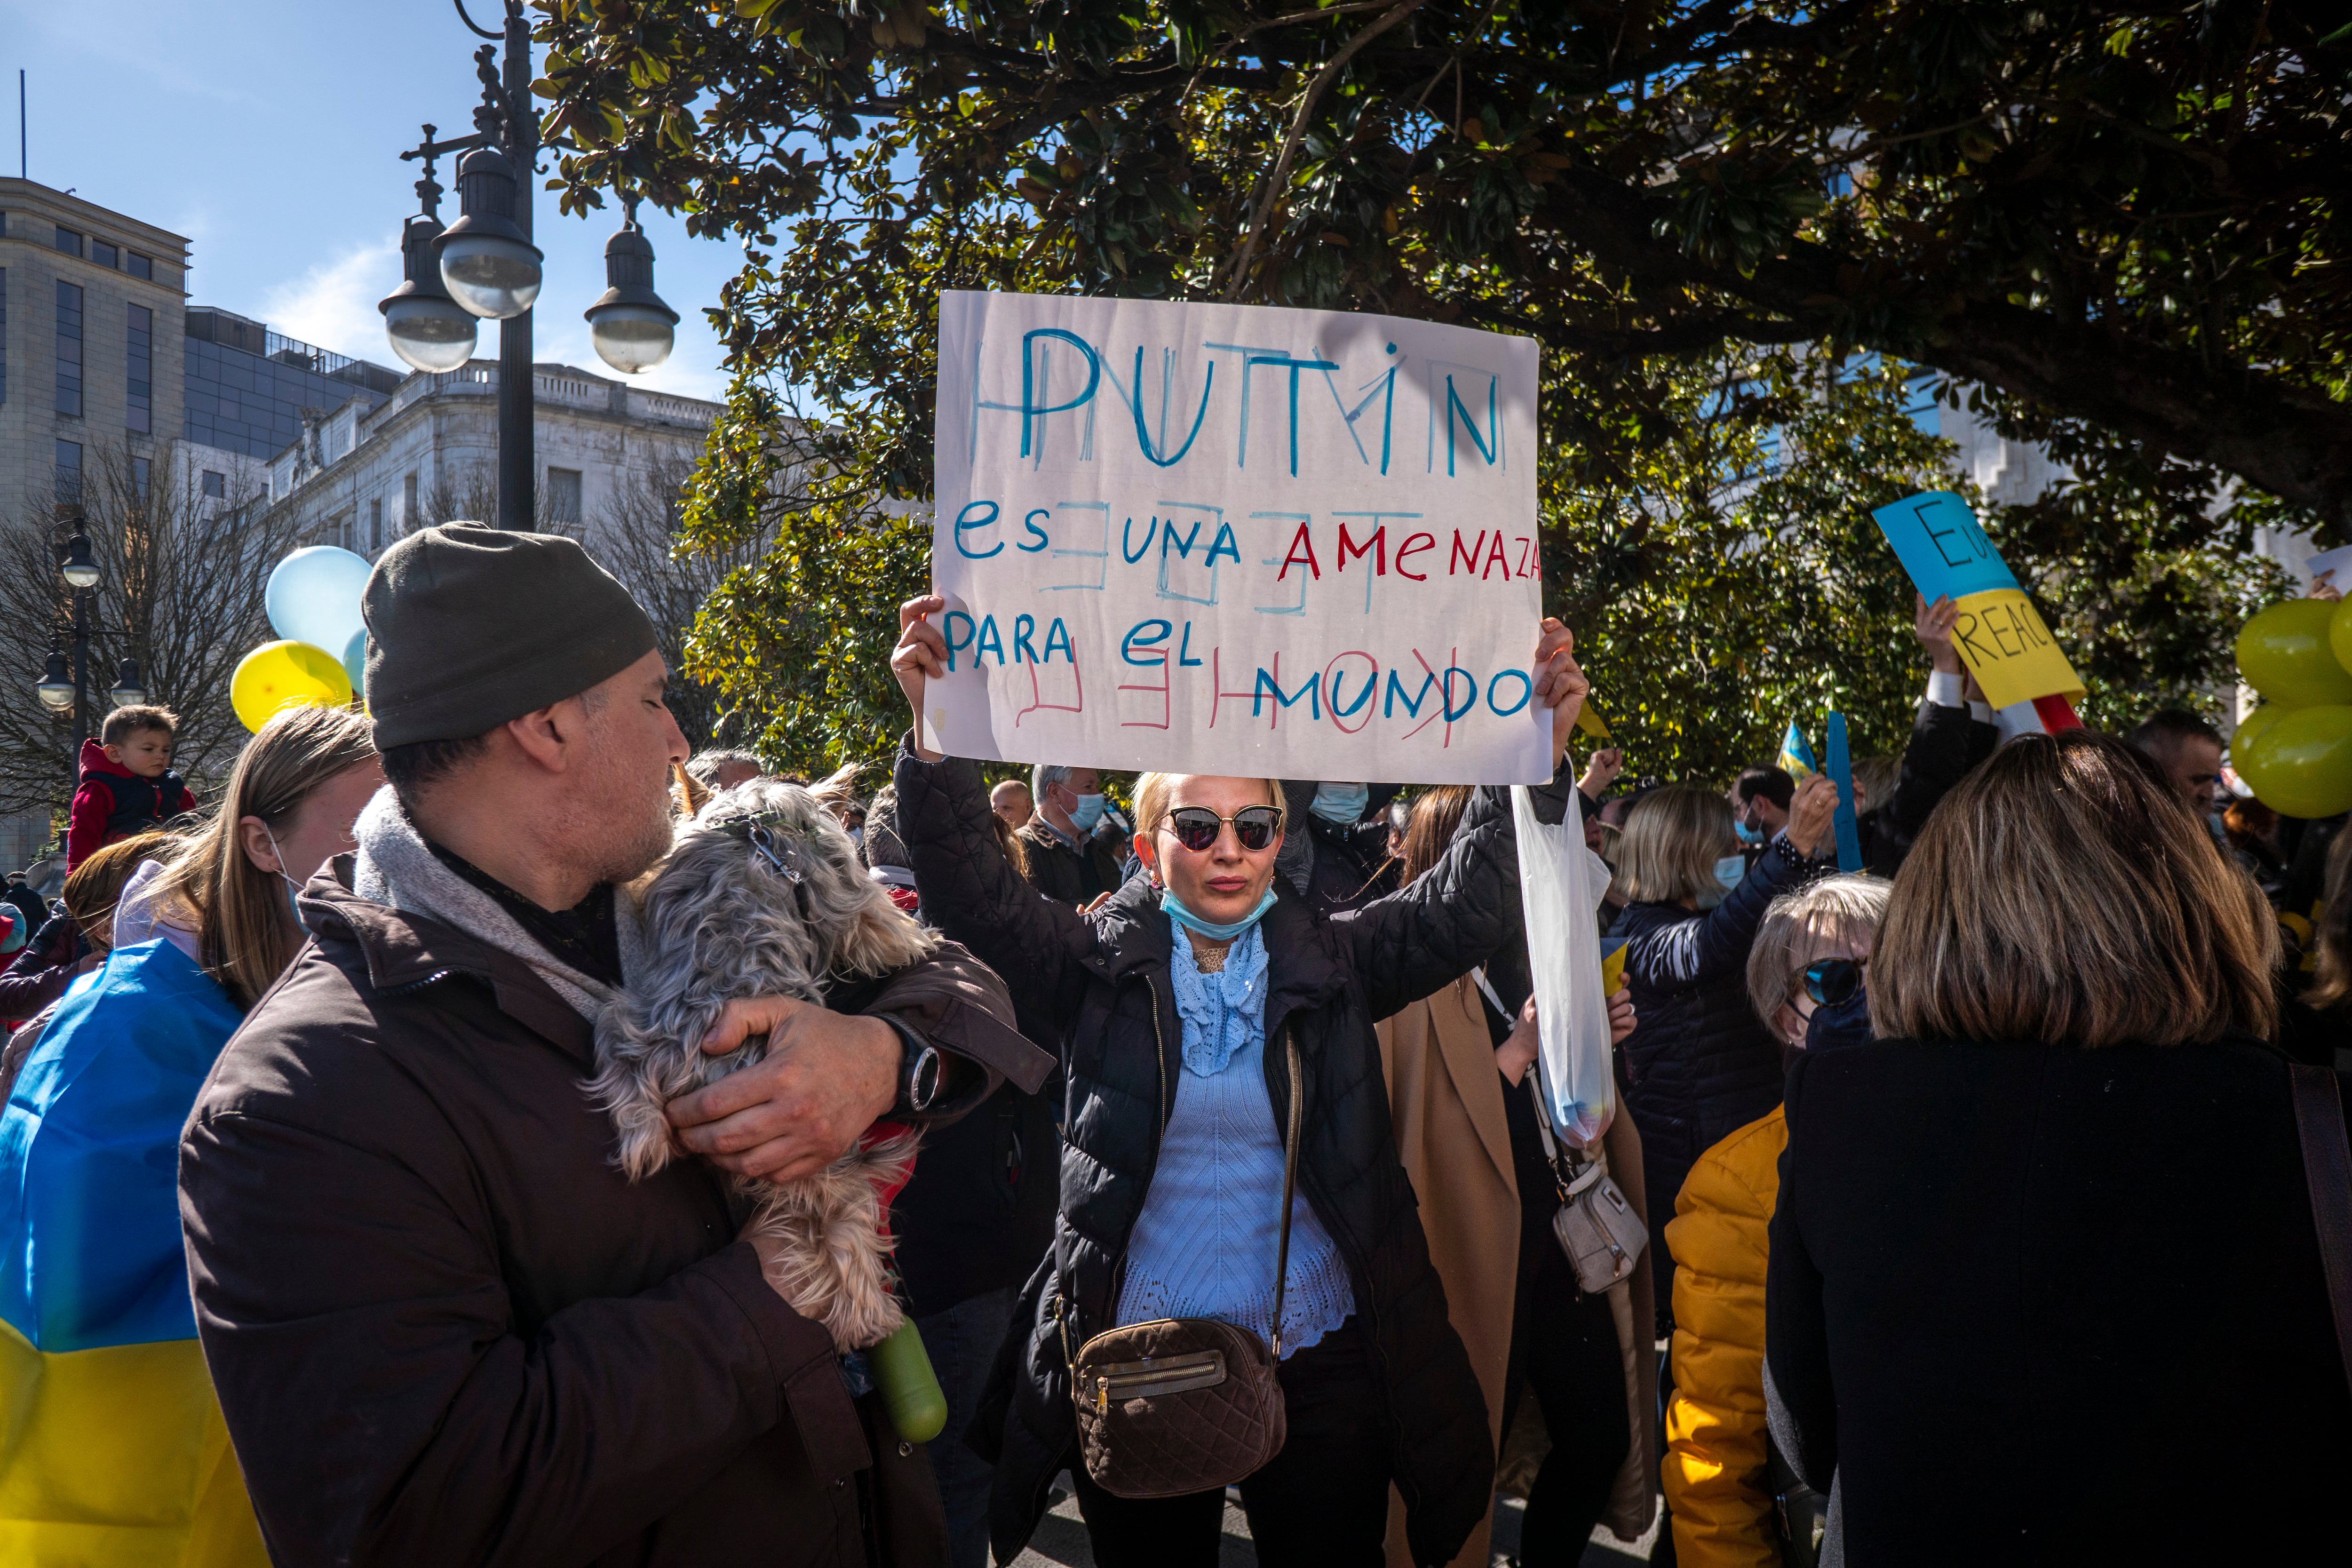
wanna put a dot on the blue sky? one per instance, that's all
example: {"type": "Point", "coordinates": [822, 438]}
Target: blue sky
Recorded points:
{"type": "Point", "coordinates": [268, 131]}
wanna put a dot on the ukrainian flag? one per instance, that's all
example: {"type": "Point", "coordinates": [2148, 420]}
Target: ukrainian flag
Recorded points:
{"type": "Point", "coordinates": [1796, 757]}
{"type": "Point", "coordinates": [112, 1450]}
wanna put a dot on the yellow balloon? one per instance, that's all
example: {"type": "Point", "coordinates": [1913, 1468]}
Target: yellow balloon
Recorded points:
{"type": "Point", "coordinates": [2301, 763]}
{"type": "Point", "coordinates": [285, 674]}
{"type": "Point", "coordinates": [2251, 726]}
{"type": "Point", "coordinates": [2286, 654]}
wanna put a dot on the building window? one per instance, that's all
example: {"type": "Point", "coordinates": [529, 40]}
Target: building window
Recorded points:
{"type": "Point", "coordinates": [141, 266]}
{"type": "Point", "coordinates": [375, 524]}
{"type": "Point", "coordinates": [216, 484]}
{"type": "Point", "coordinates": [139, 361]}
{"type": "Point", "coordinates": [408, 504]}
{"type": "Point", "coordinates": [139, 471]}
{"type": "Point", "coordinates": [69, 241]}
{"type": "Point", "coordinates": [69, 349]}
{"type": "Point", "coordinates": [564, 495]}
{"type": "Point", "coordinates": [4, 334]}
{"type": "Point", "coordinates": [102, 253]}
{"type": "Point", "coordinates": [69, 482]}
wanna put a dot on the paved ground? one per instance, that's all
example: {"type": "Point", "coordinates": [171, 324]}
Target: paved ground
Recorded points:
{"type": "Point", "coordinates": [1061, 1539]}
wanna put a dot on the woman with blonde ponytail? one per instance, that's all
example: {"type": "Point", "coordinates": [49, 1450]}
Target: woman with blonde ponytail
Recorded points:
{"type": "Point", "coordinates": [88, 1205]}
{"type": "Point", "coordinates": [288, 809]}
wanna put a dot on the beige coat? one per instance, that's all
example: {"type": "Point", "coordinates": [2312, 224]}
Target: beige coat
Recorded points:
{"type": "Point", "coordinates": [1445, 1099]}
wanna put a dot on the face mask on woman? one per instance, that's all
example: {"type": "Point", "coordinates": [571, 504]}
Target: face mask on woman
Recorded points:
{"type": "Point", "coordinates": [1340, 804]}
{"type": "Point", "coordinates": [292, 887]}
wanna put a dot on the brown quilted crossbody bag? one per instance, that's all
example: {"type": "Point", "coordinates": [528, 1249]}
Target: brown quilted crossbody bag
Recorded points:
{"type": "Point", "coordinates": [1186, 1404]}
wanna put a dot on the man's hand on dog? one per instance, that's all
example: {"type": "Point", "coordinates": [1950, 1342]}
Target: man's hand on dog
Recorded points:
{"type": "Point", "coordinates": [827, 1077]}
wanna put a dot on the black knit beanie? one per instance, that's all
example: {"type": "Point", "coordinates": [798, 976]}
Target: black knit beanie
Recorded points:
{"type": "Point", "coordinates": [470, 626]}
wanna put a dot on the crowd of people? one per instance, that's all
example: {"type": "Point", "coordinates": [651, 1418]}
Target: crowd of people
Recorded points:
{"type": "Point", "coordinates": [1983, 1219]}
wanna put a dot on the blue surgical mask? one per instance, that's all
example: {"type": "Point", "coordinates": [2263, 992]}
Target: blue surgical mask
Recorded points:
{"type": "Point", "coordinates": [1340, 804]}
{"type": "Point", "coordinates": [1731, 870]}
{"type": "Point", "coordinates": [1087, 813]}
{"type": "Point", "coordinates": [1747, 834]}
{"type": "Point", "coordinates": [1226, 931]}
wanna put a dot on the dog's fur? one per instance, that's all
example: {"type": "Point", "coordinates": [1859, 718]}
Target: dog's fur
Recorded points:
{"type": "Point", "coordinates": [722, 923]}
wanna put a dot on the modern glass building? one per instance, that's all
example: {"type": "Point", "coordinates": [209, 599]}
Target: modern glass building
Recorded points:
{"type": "Point", "coordinates": [247, 386]}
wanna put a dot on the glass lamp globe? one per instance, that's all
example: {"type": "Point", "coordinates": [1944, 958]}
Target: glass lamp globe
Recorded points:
{"type": "Point", "coordinates": [79, 569]}
{"type": "Point", "coordinates": [632, 338]}
{"type": "Point", "coordinates": [129, 691]}
{"type": "Point", "coordinates": [489, 274]}
{"type": "Point", "coordinates": [429, 332]}
{"type": "Point", "coordinates": [56, 689]}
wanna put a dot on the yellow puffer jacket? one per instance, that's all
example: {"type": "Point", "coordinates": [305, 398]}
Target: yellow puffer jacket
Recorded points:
{"type": "Point", "coordinates": [1714, 1468]}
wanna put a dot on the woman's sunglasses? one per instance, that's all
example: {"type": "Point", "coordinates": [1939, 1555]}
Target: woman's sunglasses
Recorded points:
{"type": "Point", "coordinates": [1833, 981]}
{"type": "Point", "coordinates": [1196, 826]}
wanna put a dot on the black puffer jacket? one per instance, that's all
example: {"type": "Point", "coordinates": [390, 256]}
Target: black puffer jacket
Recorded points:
{"type": "Point", "coordinates": [1344, 866]}
{"type": "Point", "coordinates": [1940, 752]}
{"type": "Point", "coordinates": [1103, 979]}
{"type": "Point", "coordinates": [1699, 1064]}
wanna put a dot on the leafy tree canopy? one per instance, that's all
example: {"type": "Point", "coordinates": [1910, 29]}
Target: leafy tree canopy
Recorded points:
{"type": "Point", "coordinates": [2118, 225]}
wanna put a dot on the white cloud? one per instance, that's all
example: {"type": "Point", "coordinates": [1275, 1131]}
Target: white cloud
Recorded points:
{"type": "Point", "coordinates": [332, 305]}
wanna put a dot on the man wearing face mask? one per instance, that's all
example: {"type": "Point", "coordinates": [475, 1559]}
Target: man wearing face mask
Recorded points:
{"type": "Point", "coordinates": [1069, 861]}
{"type": "Point", "coordinates": [1759, 808]}
{"type": "Point", "coordinates": [1342, 861]}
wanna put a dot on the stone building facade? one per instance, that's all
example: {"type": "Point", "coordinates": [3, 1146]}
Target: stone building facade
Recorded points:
{"type": "Point", "coordinates": [92, 335]}
{"type": "Point", "coordinates": [373, 471]}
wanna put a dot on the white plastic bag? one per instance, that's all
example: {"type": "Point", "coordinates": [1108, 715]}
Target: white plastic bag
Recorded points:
{"type": "Point", "coordinates": [1560, 885]}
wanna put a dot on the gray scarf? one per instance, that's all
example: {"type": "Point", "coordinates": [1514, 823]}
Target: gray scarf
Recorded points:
{"type": "Point", "coordinates": [395, 866]}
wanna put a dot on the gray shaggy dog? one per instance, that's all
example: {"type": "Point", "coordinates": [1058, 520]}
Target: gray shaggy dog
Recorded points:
{"type": "Point", "coordinates": [763, 895]}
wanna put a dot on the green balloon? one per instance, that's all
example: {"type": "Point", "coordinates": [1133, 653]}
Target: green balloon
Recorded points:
{"type": "Point", "coordinates": [2249, 728]}
{"type": "Point", "coordinates": [2339, 634]}
{"type": "Point", "coordinates": [2301, 763]}
{"type": "Point", "coordinates": [2286, 654]}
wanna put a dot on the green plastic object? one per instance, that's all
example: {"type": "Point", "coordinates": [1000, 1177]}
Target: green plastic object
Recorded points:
{"type": "Point", "coordinates": [910, 1390]}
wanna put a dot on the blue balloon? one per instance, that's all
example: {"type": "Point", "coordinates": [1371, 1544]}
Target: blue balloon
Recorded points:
{"type": "Point", "coordinates": [314, 595]}
{"type": "Point", "coordinates": [355, 663]}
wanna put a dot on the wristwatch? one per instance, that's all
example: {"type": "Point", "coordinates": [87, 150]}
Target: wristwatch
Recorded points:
{"type": "Point", "coordinates": [920, 1070]}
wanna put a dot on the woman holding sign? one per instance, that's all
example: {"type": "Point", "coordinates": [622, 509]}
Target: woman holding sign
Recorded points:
{"type": "Point", "coordinates": [1189, 1004]}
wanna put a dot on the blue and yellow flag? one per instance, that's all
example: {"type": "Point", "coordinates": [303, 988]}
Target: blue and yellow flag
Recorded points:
{"type": "Point", "coordinates": [1796, 757]}
{"type": "Point", "coordinates": [112, 1450]}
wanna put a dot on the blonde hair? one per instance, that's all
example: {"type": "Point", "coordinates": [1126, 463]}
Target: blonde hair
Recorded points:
{"type": "Point", "coordinates": [1671, 839]}
{"type": "Point", "coordinates": [245, 933]}
{"type": "Point", "coordinates": [1152, 789]}
{"type": "Point", "coordinates": [1800, 927]}
{"type": "Point", "coordinates": [2063, 894]}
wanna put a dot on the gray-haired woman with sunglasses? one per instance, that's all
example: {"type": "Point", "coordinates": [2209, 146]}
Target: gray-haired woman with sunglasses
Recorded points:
{"type": "Point", "coordinates": [1169, 1003]}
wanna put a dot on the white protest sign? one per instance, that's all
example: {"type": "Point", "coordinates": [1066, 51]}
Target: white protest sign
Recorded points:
{"type": "Point", "coordinates": [1235, 539]}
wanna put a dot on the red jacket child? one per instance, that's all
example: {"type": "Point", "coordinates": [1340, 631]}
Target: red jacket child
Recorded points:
{"type": "Point", "coordinates": [127, 782]}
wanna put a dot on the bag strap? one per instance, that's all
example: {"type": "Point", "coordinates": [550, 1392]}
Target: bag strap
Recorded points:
{"type": "Point", "coordinates": [1289, 1183]}
{"type": "Point", "coordinates": [2327, 1171]}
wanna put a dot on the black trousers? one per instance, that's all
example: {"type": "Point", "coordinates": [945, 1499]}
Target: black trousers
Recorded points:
{"type": "Point", "coordinates": [1572, 1367]}
{"type": "Point", "coordinates": [1322, 1501]}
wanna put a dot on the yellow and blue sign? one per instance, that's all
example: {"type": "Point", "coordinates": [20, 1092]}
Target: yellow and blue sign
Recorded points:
{"type": "Point", "coordinates": [112, 1450]}
{"type": "Point", "coordinates": [1999, 634]}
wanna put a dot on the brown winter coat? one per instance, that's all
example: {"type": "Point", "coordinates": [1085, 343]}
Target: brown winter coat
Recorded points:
{"type": "Point", "coordinates": [444, 1329]}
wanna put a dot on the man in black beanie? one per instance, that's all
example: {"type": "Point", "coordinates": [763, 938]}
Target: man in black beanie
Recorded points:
{"type": "Point", "coordinates": [443, 1326]}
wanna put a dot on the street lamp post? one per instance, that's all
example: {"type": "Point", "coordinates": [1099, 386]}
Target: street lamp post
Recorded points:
{"type": "Point", "coordinates": [485, 266]}
{"type": "Point", "coordinates": [65, 684]}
